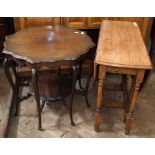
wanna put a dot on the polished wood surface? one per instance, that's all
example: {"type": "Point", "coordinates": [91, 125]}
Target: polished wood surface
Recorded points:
{"type": "Point", "coordinates": [47, 44]}
{"type": "Point", "coordinates": [24, 22]}
{"type": "Point", "coordinates": [121, 45]}
{"type": "Point", "coordinates": [51, 48]}
{"type": "Point", "coordinates": [75, 22]}
{"type": "Point", "coordinates": [95, 22]}
{"type": "Point", "coordinates": [144, 23]}
{"type": "Point", "coordinates": [120, 50]}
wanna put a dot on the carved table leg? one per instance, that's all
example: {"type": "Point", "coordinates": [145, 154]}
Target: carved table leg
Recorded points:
{"type": "Point", "coordinates": [102, 74]}
{"type": "Point", "coordinates": [37, 97]}
{"type": "Point", "coordinates": [72, 94]}
{"type": "Point", "coordinates": [132, 102]}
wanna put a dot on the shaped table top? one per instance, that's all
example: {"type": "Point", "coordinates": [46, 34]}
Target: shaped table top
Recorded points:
{"type": "Point", "coordinates": [47, 44]}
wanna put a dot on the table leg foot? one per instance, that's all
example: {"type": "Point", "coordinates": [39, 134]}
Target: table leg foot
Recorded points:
{"type": "Point", "coordinates": [40, 128]}
{"type": "Point", "coordinates": [16, 114]}
{"type": "Point", "coordinates": [87, 103]}
{"type": "Point", "coordinates": [96, 129]}
{"type": "Point", "coordinates": [128, 122]}
{"type": "Point", "coordinates": [97, 121]}
{"type": "Point", "coordinates": [124, 120]}
{"type": "Point", "coordinates": [126, 132]}
{"type": "Point", "coordinates": [72, 123]}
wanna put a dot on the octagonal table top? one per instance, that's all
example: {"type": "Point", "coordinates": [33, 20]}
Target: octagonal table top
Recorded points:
{"type": "Point", "coordinates": [47, 44]}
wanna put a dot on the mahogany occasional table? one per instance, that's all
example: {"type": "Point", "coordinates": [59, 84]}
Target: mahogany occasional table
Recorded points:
{"type": "Point", "coordinates": [120, 50]}
{"type": "Point", "coordinates": [45, 46]}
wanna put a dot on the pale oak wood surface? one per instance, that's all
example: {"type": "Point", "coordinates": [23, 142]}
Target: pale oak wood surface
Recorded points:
{"type": "Point", "coordinates": [47, 44]}
{"type": "Point", "coordinates": [121, 50]}
{"type": "Point", "coordinates": [121, 45]}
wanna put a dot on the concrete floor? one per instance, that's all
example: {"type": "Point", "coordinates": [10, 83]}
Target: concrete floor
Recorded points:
{"type": "Point", "coordinates": [56, 122]}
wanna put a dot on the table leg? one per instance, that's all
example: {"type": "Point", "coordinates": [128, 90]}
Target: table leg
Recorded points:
{"type": "Point", "coordinates": [132, 101]}
{"type": "Point", "coordinates": [37, 97]}
{"type": "Point", "coordinates": [85, 91]}
{"type": "Point", "coordinates": [6, 65]}
{"type": "Point", "coordinates": [80, 73]}
{"type": "Point", "coordinates": [102, 74]}
{"type": "Point", "coordinates": [17, 80]}
{"type": "Point", "coordinates": [87, 85]}
{"type": "Point", "coordinates": [14, 85]}
{"type": "Point", "coordinates": [72, 94]}
{"type": "Point", "coordinates": [125, 94]}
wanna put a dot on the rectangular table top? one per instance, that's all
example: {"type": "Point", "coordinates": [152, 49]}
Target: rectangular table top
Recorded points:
{"type": "Point", "coordinates": [121, 45]}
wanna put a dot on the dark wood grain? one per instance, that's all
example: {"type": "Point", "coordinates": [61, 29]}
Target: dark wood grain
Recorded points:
{"type": "Point", "coordinates": [50, 48]}
{"type": "Point", "coordinates": [47, 44]}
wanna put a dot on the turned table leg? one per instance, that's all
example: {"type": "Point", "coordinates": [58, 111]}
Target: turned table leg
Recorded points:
{"type": "Point", "coordinates": [132, 101]}
{"type": "Point", "coordinates": [37, 97]}
{"type": "Point", "coordinates": [102, 74]}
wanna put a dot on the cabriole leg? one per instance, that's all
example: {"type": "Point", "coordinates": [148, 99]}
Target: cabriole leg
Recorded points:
{"type": "Point", "coordinates": [14, 85]}
{"type": "Point", "coordinates": [72, 94]}
{"type": "Point", "coordinates": [87, 86]}
{"type": "Point", "coordinates": [37, 97]}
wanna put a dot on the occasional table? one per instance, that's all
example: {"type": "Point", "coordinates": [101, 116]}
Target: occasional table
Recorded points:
{"type": "Point", "coordinates": [46, 46]}
{"type": "Point", "coordinates": [121, 50]}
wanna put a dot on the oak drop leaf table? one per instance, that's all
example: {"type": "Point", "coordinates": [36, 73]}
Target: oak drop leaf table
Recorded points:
{"type": "Point", "coordinates": [45, 46]}
{"type": "Point", "coordinates": [120, 50]}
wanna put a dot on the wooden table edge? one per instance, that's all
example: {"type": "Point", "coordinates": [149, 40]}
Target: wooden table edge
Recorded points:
{"type": "Point", "coordinates": [124, 66]}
